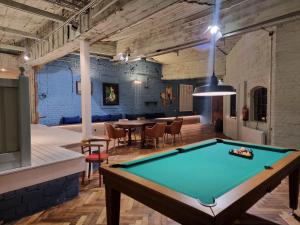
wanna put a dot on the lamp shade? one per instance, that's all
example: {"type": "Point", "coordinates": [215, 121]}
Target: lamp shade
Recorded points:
{"type": "Point", "coordinates": [214, 89]}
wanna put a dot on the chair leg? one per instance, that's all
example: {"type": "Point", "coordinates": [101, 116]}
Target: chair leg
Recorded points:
{"type": "Point", "coordinates": [163, 141]}
{"type": "Point", "coordinates": [107, 145]}
{"type": "Point", "coordinates": [114, 144]}
{"type": "Point", "coordinates": [99, 176]}
{"type": "Point", "coordinates": [89, 172]}
{"type": "Point", "coordinates": [173, 140]}
{"type": "Point", "coordinates": [83, 177]}
{"type": "Point", "coordinates": [155, 143]}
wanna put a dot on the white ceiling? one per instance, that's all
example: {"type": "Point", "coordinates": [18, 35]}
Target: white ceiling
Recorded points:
{"type": "Point", "coordinates": [19, 20]}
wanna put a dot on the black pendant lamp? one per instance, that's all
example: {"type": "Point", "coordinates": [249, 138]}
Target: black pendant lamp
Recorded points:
{"type": "Point", "coordinates": [214, 88]}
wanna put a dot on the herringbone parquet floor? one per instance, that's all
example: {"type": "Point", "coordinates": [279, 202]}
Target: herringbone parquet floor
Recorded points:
{"type": "Point", "coordinates": [89, 207]}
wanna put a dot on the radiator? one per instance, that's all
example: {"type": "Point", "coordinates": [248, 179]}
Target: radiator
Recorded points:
{"type": "Point", "coordinates": [253, 135]}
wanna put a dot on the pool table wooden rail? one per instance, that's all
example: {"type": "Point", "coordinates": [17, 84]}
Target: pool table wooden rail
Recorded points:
{"type": "Point", "coordinates": [182, 208]}
{"type": "Point", "coordinates": [187, 210]}
{"type": "Point", "coordinates": [242, 197]}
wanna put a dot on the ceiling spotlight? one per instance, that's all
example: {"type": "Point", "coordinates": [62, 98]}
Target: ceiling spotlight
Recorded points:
{"type": "Point", "coordinates": [214, 29]}
{"type": "Point", "coordinates": [26, 57]}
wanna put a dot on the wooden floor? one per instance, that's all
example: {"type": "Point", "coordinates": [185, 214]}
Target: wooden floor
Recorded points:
{"type": "Point", "coordinates": [89, 207]}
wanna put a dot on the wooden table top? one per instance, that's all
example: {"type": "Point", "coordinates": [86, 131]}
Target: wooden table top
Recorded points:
{"type": "Point", "coordinates": [134, 123]}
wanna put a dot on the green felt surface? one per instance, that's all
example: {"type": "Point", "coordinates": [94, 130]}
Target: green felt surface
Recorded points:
{"type": "Point", "coordinates": [207, 171]}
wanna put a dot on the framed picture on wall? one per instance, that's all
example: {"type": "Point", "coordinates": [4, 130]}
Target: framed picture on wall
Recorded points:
{"type": "Point", "coordinates": [78, 87]}
{"type": "Point", "coordinates": [110, 94]}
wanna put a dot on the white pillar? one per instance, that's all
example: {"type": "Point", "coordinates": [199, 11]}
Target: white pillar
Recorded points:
{"type": "Point", "coordinates": [85, 90]}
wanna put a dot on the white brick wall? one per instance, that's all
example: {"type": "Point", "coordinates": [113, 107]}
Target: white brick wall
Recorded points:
{"type": "Point", "coordinates": [286, 87]}
{"type": "Point", "coordinates": [250, 62]}
{"type": "Point", "coordinates": [247, 65]}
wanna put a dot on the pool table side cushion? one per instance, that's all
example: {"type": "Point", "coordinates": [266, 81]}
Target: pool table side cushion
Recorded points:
{"type": "Point", "coordinates": [250, 145]}
{"type": "Point", "coordinates": [155, 156]}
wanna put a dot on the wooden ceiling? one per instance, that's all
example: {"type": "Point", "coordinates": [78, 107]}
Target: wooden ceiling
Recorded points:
{"type": "Point", "coordinates": [200, 52]}
{"type": "Point", "coordinates": [147, 28]}
{"type": "Point", "coordinates": [24, 21]}
{"type": "Point", "coordinates": [162, 19]}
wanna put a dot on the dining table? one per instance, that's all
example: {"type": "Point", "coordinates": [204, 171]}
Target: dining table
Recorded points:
{"type": "Point", "coordinates": [129, 125]}
{"type": "Point", "coordinates": [167, 120]}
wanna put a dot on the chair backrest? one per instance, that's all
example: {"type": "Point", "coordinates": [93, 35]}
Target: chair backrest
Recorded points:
{"type": "Point", "coordinates": [178, 119]}
{"type": "Point", "coordinates": [176, 126]}
{"type": "Point", "coordinates": [110, 130]}
{"type": "Point", "coordinates": [158, 129]}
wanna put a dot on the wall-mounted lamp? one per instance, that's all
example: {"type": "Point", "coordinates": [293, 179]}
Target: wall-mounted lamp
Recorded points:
{"type": "Point", "coordinates": [137, 82]}
{"type": "Point", "coordinates": [3, 70]}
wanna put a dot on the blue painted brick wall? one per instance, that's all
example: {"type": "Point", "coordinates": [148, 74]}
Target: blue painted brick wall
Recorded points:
{"type": "Point", "coordinates": [29, 200]}
{"type": "Point", "coordinates": [201, 105]}
{"type": "Point", "coordinates": [57, 89]}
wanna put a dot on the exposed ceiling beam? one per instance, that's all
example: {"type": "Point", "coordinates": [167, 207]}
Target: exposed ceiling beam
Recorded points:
{"type": "Point", "coordinates": [189, 32]}
{"type": "Point", "coordinates": [103, 48]}
{"type": "Point", "coordinates": [102, 6]}
{"type": "Point", "coordinates": [19, 33]}
{"type": "Point", "coordinates": [112, 20]}
{"type": "Point", "coordinates": [32, 10]}
{"type": "Point", "coordinates": [68, 5]}
{"type": "Point", "coordinates": [12, 47]}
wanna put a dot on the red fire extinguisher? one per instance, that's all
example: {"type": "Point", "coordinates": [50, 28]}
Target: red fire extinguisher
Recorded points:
{"type": "Point", "coordinates": [245, 113]}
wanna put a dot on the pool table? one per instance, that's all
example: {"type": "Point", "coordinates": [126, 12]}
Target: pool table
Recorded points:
{"type": "Point", "coordinates": [202, 183]}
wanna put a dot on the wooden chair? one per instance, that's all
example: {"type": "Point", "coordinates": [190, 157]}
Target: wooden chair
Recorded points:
{"type": "Point", "coordinates": [94, 156]}
{"type": "Point", "coordinates": [174, 129]}
{"type": "Point", "coordinates": [155, 132]}
{"type": "Point", "coordinates": [115, 134]}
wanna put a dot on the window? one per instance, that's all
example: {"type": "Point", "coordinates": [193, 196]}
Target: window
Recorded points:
{"type": "Point", "coordinates": [260, 104]}
{"type": "Point", "coordinates": [232, 105]}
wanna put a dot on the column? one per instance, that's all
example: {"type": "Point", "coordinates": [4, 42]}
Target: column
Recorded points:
{"type": "Point", "coordinates": [85, 90]}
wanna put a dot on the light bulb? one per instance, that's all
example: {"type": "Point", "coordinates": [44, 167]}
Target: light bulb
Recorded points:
{"type": "Point", "coordinates": [214, 29]}
{"type": "Point", "coordinates": [26, 57]}
{"type": "Point", "coordinates": [137, 82]}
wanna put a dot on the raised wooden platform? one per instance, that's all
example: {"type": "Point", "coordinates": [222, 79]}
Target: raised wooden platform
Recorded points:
{"type": "Point", "coordinates": [49, 159]}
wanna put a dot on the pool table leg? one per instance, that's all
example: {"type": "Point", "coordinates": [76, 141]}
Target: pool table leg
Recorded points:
{"type": "Point", "coordinates": [112, 205]}
{"type": "Point", "coordinates": [294, 188]}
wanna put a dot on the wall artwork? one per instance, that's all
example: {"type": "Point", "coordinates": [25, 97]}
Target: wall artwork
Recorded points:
{"type": "Point", "coordinates": [110, 94]}
{"type": "Point", "coordinates": [167, 96]}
